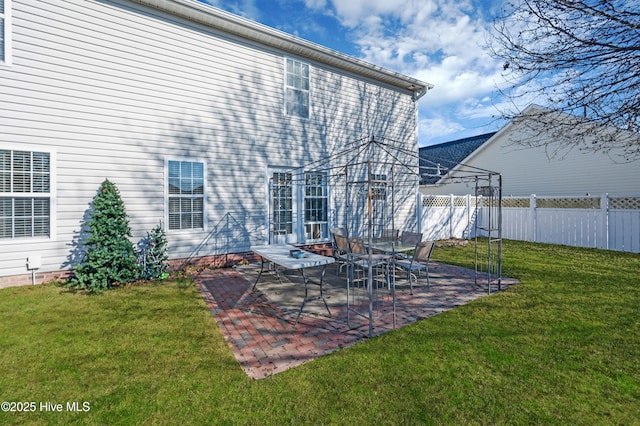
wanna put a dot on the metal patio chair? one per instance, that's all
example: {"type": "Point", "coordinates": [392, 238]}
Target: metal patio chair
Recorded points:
{"type": "Point", "coordinates": [359, 263]}
{"type": "Point", "coordinates": [340, 251]}
{"type": "Point", "coordinates": [390, 234]}
{"type": "Point", "coordinates": [418, 262]}
{"type": "Point", "coordinates": [408, 238]}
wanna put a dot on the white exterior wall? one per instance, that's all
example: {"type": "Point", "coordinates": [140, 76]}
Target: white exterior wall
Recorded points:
{"type": "Point", "coordinates": [528, 171]}
{"type": "Point", "coordinates": [115, 89]}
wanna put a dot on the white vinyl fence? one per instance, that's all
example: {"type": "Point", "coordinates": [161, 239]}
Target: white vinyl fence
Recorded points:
{"type": "Point", "coordinates": [605, 221]}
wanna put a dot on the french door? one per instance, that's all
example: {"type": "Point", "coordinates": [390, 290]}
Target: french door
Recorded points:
{"type": "Point", "coordinates": [297, 206]}
{"type": "Point", "coordinates": [283, 216]}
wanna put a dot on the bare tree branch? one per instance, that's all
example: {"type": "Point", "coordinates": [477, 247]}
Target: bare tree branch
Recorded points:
{"type": "Point", "coordinates": [575, 57]}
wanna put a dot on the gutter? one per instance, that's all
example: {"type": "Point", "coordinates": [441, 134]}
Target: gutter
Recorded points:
{"type": "Point", "coordinates": [250, 30]}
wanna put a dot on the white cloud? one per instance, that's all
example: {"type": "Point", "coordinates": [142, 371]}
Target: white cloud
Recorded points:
{"type": "Point", "coordinates": [437, 41]}
{"type": "Point", "coordinates": [315, 4]}
{"type": "Point", "coordinates": [245, 8]}
{"type": "Point", "coordinates": [438, 126]}
{"type": "Point", "coordinates": [353, 12]}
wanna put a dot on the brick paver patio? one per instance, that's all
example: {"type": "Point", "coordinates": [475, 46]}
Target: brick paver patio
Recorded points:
{"type": "Point", "coordinates": [259, 324]}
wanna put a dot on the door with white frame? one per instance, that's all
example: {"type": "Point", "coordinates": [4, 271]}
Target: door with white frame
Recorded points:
{"type": "Point", "coordinates": [282, 202]}
{"type": "Point", "coordinates": [316, 207]}
{"type": "Point", "coordinates": [298, 206]}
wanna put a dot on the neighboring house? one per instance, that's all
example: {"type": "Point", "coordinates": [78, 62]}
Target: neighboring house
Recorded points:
{"type": "Point", "coordinates": [188, 109]}
{"type": "Point", "coordinates": [437, 160]}
{"type": "Point", "coordinates": [542, 170]}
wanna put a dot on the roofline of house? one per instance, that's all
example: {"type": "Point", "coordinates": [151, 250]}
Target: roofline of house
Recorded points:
{"type": "Point", "coordinates": [256, 32]}
{"type": "Point", "coordinates": [456, 141]}
{"type": "Point", "coordinates": [447, 176]}
{"type": "Point", "coordinates": [485, 144]}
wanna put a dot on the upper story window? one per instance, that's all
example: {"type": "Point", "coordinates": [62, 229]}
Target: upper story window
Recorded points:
{"type": "Point", "coordinates": [25, 194]}
{"type": "Point", "coordinates": [5, 31]}
{"type": "Point", "coordinates": [185, 195]}
{"type": "Point", "coordinates": [297, 86]}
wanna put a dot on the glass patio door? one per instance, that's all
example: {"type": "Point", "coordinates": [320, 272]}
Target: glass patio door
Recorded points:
{"type": "Point", "coordinates": [283, 226]}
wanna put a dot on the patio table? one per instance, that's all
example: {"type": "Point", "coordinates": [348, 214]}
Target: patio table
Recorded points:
{"type": "Point", "coordinates": [279, 255]}
{"type": "Point", "coordinates": [386, 246]}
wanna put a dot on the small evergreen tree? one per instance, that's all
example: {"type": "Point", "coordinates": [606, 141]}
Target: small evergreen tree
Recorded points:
{"type": "Point", "coordinates": [154, 254]}
{"type": "Point", "coordinates": [110, 256]}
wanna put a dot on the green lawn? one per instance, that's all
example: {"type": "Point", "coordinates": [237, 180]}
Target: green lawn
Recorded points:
{"type": "Point", "coordinates": [562, 347]}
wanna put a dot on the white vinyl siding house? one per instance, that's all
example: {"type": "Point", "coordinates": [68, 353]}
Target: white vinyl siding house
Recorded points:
{"type": "Point", "coordinates": [186, 109]}
{"type": "Point", "coordinates": [542, 170]}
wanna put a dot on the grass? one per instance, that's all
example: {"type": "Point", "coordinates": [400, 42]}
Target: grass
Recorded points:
{"type": "Point", "coordinates": [562, 347]}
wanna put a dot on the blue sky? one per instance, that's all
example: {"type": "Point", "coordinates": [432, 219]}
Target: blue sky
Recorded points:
{"type": "Point", "coordinates": [437, 41]}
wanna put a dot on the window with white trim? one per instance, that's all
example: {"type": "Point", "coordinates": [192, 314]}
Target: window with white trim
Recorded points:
{"type": "Point", "coordinates": [25, 194]}
{"type": "Point", "coordinates": [315, 206]}
{"type": "Point", "coordinates": [185, 195]}
{"type": "Point", "coordinates": [297, 87]}
{"type": "Point", "coordinates": [5, 31]}
{"type": "Point", "coordinates": [282, 203]}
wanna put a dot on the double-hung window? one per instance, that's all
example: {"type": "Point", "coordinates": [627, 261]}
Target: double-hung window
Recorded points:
{"type": "Point", "coordinates": [25, 194]}
{"type": "Point", "coordinates": [297, 88]}
{"type": "Point", "coordinates": [185, 195]}
{"type": "Point", "coordinates": [5, 31]}
{"type": "Point", "coordinates": [315, 206]}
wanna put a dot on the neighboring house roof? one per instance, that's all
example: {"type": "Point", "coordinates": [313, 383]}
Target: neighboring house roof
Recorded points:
{"type": "Point", "coordinates": [256, 32]}
{"type": "Point", "coordinates": [436, 160]}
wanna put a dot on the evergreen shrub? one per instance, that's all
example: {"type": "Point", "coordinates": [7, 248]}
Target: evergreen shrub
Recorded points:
{"type": "Point", "coordinates": [110, 257]}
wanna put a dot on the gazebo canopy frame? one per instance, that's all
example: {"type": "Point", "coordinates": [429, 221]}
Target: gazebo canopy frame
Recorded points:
{"type": "Point", "coordinates": [373, 183]}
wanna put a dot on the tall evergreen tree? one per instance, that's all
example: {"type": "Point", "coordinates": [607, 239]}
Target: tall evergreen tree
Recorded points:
{"type": "Point", "coordinates": [110, 256]}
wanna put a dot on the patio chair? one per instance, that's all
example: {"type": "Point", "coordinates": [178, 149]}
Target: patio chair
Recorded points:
{"type": "Point", "coordinates": [340, 231]}
{"type": "Point", "coordinates": [359, 264]}
{"type": "Point", "coordinates": [409, 238]}
{"type": "Point", "coordinates": [390, 234]}
{"type": "Point", "coordinates": [340, 251]}
{"type": "Point", "coordinates": [419, 261]}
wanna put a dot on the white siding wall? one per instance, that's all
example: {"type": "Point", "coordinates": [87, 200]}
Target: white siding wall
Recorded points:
{"type": "Point", "coordinates": [538, 171]}
{"type": "Point", "coordinates": [115, 89]}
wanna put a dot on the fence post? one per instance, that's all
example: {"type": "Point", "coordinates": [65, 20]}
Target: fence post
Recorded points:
{"type": "Point", "coordinates": [451, 212]}
{"type": "Point", "coordinates": [533, 219]}
{"type": "Point", "coordinates": [604, 214]}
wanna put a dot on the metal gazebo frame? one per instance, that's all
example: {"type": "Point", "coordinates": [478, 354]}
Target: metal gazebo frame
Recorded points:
{"type": "Point", "coordinates": [376, 178]}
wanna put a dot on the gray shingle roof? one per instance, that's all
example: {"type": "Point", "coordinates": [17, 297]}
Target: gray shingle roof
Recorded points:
{"type": "Point", "coordinates": [438, 159]}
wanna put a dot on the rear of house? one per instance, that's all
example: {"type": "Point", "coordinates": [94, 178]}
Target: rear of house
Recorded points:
{"type": "Point", "coordinates": [189, 110]}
